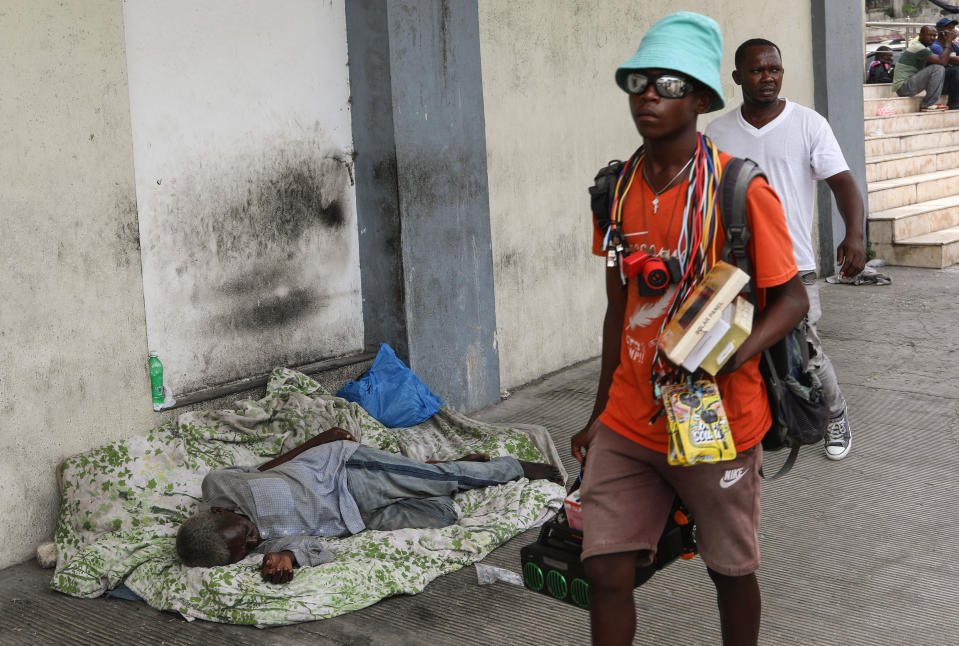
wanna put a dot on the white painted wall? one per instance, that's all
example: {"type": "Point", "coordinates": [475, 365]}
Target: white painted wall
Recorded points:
{"type": "Point", "coordinates": [553, 117]}
{"type": "Point", "coordinates": [243, 159]}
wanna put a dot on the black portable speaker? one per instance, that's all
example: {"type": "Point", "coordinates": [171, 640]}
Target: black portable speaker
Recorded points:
{"type": "Point", "coordinates": [552, 565]}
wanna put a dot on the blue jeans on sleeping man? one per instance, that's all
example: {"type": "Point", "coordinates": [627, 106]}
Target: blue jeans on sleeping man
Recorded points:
{"type": "Point", "coordinates": [396, 492]}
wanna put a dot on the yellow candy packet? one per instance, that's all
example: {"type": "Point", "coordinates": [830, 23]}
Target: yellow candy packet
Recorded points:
{"type": "Point", "coordinates": [697, 424]}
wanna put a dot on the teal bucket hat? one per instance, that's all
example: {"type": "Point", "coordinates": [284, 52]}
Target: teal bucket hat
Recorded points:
{"type": "Point", "coordinates": [686, 42]}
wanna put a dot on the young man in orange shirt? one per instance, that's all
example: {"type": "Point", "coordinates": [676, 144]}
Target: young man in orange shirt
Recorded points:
{"type": "Point", "coordinates": [628, 485]}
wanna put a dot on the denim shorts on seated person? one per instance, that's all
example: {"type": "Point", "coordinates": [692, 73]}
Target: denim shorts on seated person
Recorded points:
{"type": "Point", "coordinates": [628, 491]}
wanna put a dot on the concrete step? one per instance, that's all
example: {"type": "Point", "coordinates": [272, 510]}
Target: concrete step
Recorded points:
{"type": "Point", "coordinates": [890, 193]}
{"type": "Point", "coordinates": [937, 249]}
{"type": "Point", "coordinates": [911, 220]}
{"type": "Point", "coordinates": [897, 104]}
{"type": "Point", "coordinates": [906, 142]}
{"type": "Point", "coordinates": [912, 170]}
{"type": "Point", "coordinates": [912, 163]}
{"type": "Point", "coordinates": [877, 90]}
{"type": "Point", "coordinates": [912, 122]}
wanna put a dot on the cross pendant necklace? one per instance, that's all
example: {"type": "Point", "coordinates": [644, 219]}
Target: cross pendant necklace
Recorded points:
{"type": "Point", "coordinates": [656, 193]}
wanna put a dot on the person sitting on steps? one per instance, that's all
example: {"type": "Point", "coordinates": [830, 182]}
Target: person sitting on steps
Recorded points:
{"type": "Point", "coordinates": [920, 69]}
{"type": "Point", "coordinates": [882, 68]}
{"type": "Point", "coordinates": [950, 79]}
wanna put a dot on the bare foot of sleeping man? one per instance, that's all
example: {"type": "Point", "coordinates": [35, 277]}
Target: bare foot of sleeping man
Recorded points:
{"type": "Point", "coordinates": [540, 471]}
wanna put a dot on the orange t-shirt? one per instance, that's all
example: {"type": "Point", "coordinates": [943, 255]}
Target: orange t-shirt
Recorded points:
{"type": "Point", "coordinates": [631, 403]}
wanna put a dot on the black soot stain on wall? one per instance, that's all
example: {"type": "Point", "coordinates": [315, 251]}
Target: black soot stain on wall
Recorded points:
{"type": "Point", "coordinates": [257, 306]}
{"type": "Point", "coordinates": [280, 207]}
{"type": "Point", "coordinates": [250, 235]}
{"type": "Point", "coordinates": [285, 206]}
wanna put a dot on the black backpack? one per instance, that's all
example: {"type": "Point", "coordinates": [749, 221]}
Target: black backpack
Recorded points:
{"type": "Point", "coordinates": [799, 410]}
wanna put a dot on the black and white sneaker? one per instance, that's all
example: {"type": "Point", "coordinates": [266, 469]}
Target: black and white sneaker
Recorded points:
{"type": "Point", "coordinates": [838, 438]}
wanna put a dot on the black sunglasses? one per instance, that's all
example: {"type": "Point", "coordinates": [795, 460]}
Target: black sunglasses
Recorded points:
{"type": "Point", "coordinates": [668, 86]}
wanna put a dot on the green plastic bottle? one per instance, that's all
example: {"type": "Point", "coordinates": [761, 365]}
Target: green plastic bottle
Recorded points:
{"type": "Point", "coordinates": [156, 380]}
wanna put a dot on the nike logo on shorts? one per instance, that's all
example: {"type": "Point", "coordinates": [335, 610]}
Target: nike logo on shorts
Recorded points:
{"type": "Point", "coordinates": [732, 476]}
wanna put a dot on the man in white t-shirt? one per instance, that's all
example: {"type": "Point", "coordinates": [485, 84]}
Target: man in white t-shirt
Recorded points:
{"type": "Point", "coordinates": [795, 146]}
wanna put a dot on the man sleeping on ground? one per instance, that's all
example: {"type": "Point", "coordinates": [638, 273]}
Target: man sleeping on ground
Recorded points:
{"type": "Point", "coordinates": [330, 486]}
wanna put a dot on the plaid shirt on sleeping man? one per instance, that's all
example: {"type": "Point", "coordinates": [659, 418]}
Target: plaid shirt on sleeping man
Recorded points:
{"type": "Point", "coordinates": [293, 504]}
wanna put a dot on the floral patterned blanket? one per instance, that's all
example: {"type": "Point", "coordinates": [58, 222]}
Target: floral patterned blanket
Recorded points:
{"type": "Point", "coordinates": [122, 505]}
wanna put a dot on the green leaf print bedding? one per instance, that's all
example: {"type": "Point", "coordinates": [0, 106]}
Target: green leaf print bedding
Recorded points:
{"type": "Point", "coordinates": [122, 505]}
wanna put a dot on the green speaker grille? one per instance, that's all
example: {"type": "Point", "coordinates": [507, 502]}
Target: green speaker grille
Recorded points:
{"type": "Point", "coordinates": [579, 591]}
{"type": "Point", "coordinates": [556, 584]}
{"type": "Point", "coordinates": [533, 576]}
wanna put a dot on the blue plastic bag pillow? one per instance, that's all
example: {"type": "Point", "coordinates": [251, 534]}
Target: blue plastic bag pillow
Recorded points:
{"type": "Point", "coordinates": [391, 392]}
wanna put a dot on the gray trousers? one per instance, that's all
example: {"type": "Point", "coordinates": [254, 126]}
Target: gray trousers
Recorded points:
{"type": "Point", "coordinates": [395, 492]}
{"type": "Point", "coordinates": [818, 361]}
{"type": "Point", "coordinates": [930, 78]}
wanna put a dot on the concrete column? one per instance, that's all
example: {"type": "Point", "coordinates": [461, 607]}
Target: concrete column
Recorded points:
{"type": "Point", "coordinates": [377, 205]}
{"type": "Point", "coordinates": [422, 193]}
{"type": "Point", "coordinates": [837, 65]}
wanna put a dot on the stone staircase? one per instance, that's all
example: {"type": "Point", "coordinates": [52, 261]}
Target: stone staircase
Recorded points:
{"type": "Point", "coordinates": [912, 172]}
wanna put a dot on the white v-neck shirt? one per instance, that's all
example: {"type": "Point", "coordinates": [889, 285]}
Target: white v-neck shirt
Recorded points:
{"type": "Point", "coordinates": [793, 149]}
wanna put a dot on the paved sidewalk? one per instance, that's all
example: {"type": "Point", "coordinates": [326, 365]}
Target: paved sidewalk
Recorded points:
{"type": "Point", "coordinates": [854, 552]}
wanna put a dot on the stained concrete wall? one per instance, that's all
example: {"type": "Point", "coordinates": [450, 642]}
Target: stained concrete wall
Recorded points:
{"type": "Point", "coordinates": [442, 187]}
{"type": "Point", "coordinates": [553, 117]}
{"type": "Point", "coordinates": [420, 133]}
{"type": "Point", "coordinates": [72, 334]}
{"type": "Point", "coordinates": [243, 157]}
{"type": "Point", "coordinates": [377, 203]}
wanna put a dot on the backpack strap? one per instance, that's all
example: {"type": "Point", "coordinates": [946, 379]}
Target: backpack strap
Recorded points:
{"type": "Point", "coordinates": [738, 173]}
{"type": "Point", "coordinates": [601, 193]}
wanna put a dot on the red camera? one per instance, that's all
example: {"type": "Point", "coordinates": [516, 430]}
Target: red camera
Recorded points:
{"type": "Point", "coordinates": [651, 272]}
